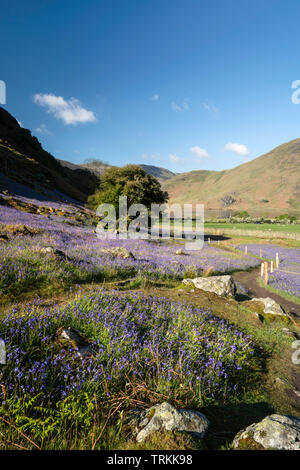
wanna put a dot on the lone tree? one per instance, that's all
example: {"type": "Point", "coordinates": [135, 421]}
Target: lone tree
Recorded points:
{"type": "Point", "coordinates": [131, 181]}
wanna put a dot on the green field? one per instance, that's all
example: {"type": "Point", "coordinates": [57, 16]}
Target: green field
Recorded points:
{"type": "Point", "coordinates": [289, 228]}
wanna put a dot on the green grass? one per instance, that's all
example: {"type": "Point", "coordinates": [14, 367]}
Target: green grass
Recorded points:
{"type": "Point", "coordinates": [290, 228]}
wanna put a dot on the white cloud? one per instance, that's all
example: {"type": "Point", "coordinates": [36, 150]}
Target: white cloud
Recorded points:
{"type": "Point", "coordinates": [240, 149]}
{"type": "Point", "coordinates": [155, 97]}
{"type": "Point", "coordinates": [201, 153]}
{"type": "Point", "coordinates": [175, 158]}
{"type": "Point", "coordinates": [153, 156]}
{"type": "Point", "coordinates": [43, 130]}
{"type": "Point", "coordinates": [184, 106]}
{"type": "Point", "coordinates": [210, 107]}
{"type": "Point", "coordinates": [20, 124]}
{"type": "Point", "coordinates": [69, 111]}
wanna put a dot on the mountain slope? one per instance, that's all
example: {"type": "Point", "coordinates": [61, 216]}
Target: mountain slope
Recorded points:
{"type": "Point", "coordinates": [267, 183]}
{"type": "Point", "coordinates": [161, 174]}
{"type": "Point", "coordinates": [24, 161]}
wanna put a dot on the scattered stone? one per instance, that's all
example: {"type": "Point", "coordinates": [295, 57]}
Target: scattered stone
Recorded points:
{"type": "Point", "coordinates": [49, 250]}
{"type": "Point", "coordinates": [273, 432]}
{"type": "Point", "coordinates": [118, 252]}
{"type": "Point", "coordinates": [297, 392]}
{"type": "Point", "coordinates": [165, 417]}
{"type": "Point", "coordinates": [220, 285]}
{"type": "Point", "coordinates": [77, 340]}
{"type": "Point", "coordinates": [270, 306]}
{"type": "Point", "coordinates": [180, 252]}
{"type": "Point", "coordinates": [290, 333]}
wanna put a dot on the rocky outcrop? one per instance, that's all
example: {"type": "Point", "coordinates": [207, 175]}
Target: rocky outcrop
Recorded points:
{"type": "Point", "coordinates": [273, 432]}
{"type": "Point", "coordinates": [165, 417]}
{"type": "Point", "coordinates": [220, 285]}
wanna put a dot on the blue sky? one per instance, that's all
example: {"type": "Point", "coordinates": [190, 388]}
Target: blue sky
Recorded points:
{"type": "Point", "coordinates": [185, 85]}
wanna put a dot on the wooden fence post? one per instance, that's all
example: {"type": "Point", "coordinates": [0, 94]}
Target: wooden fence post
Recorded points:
{"type": "Point", "coordinates": [266, 274]}
{"type": "Point", "coordinates": [277, 260]}
{"type": "Point", "coordinates": [262, 269]}
{"type": "Point", "coordinates": [260, 253]}
{"type": "Point", "coordinates": [246, 249]}
{"type": "Point", "coordinates": [271, 267]}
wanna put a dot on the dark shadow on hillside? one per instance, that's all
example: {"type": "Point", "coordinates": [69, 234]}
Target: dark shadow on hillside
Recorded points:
{"type": "Point", "coordinates": [39, 193]}
{"type": "Point", "coordinates": [227, 420]}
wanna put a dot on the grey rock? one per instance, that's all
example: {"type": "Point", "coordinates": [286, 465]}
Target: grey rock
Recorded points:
{"type": "Point", "coordinates": [270, 306]}
{"type": "Point", "coordinates": [290, 333]}
{"type": "Point", "coordinates": [77, 340]}
{"type": "Point", "coordinates": [49, 250]}
{"type": "Point", "coordinates": [273, 432]}
{"type": "Point", "coordinates": [165, 417]}
{"type": "Point", "coordinates": [180, 252]}
{"type": "Point", "coordinates": [220, 285]}
{"type": "Point", "coordinates": [118, 252]}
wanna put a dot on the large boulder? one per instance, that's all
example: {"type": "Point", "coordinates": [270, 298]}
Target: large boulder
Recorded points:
{"type": "Point", "coordinates": [270, 306]}
{"type": "Point", "coordinates": [165, 417]}
{"type": "Point", "coordinates": [273, 432]}
{"type": "Point", "coordinates": [221, 285]}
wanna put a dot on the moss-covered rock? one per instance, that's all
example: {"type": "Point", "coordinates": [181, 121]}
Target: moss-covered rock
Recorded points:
{"type": "Point", "coordinates": [273, 432]}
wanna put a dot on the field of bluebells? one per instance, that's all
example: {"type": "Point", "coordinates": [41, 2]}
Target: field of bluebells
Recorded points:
{"type": "Point", "coordinates": [144, 349]}
{"type": "Point", "coordinates": [23, 268]}
{"type": "Point", "coordinates": [287, 277]}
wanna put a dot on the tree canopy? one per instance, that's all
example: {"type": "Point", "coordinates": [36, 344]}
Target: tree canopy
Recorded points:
{"type": "Point", "coordinates": [131, 181]}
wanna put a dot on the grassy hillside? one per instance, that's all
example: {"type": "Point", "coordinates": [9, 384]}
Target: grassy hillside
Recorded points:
{"type": "Point", "coordinates": [268, 183]}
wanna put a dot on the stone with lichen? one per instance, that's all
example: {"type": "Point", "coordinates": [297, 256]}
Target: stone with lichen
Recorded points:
{"type": "Point", "coordinates": [273, 432]}
{"type": "Point", "coordinates": [164, 416]}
